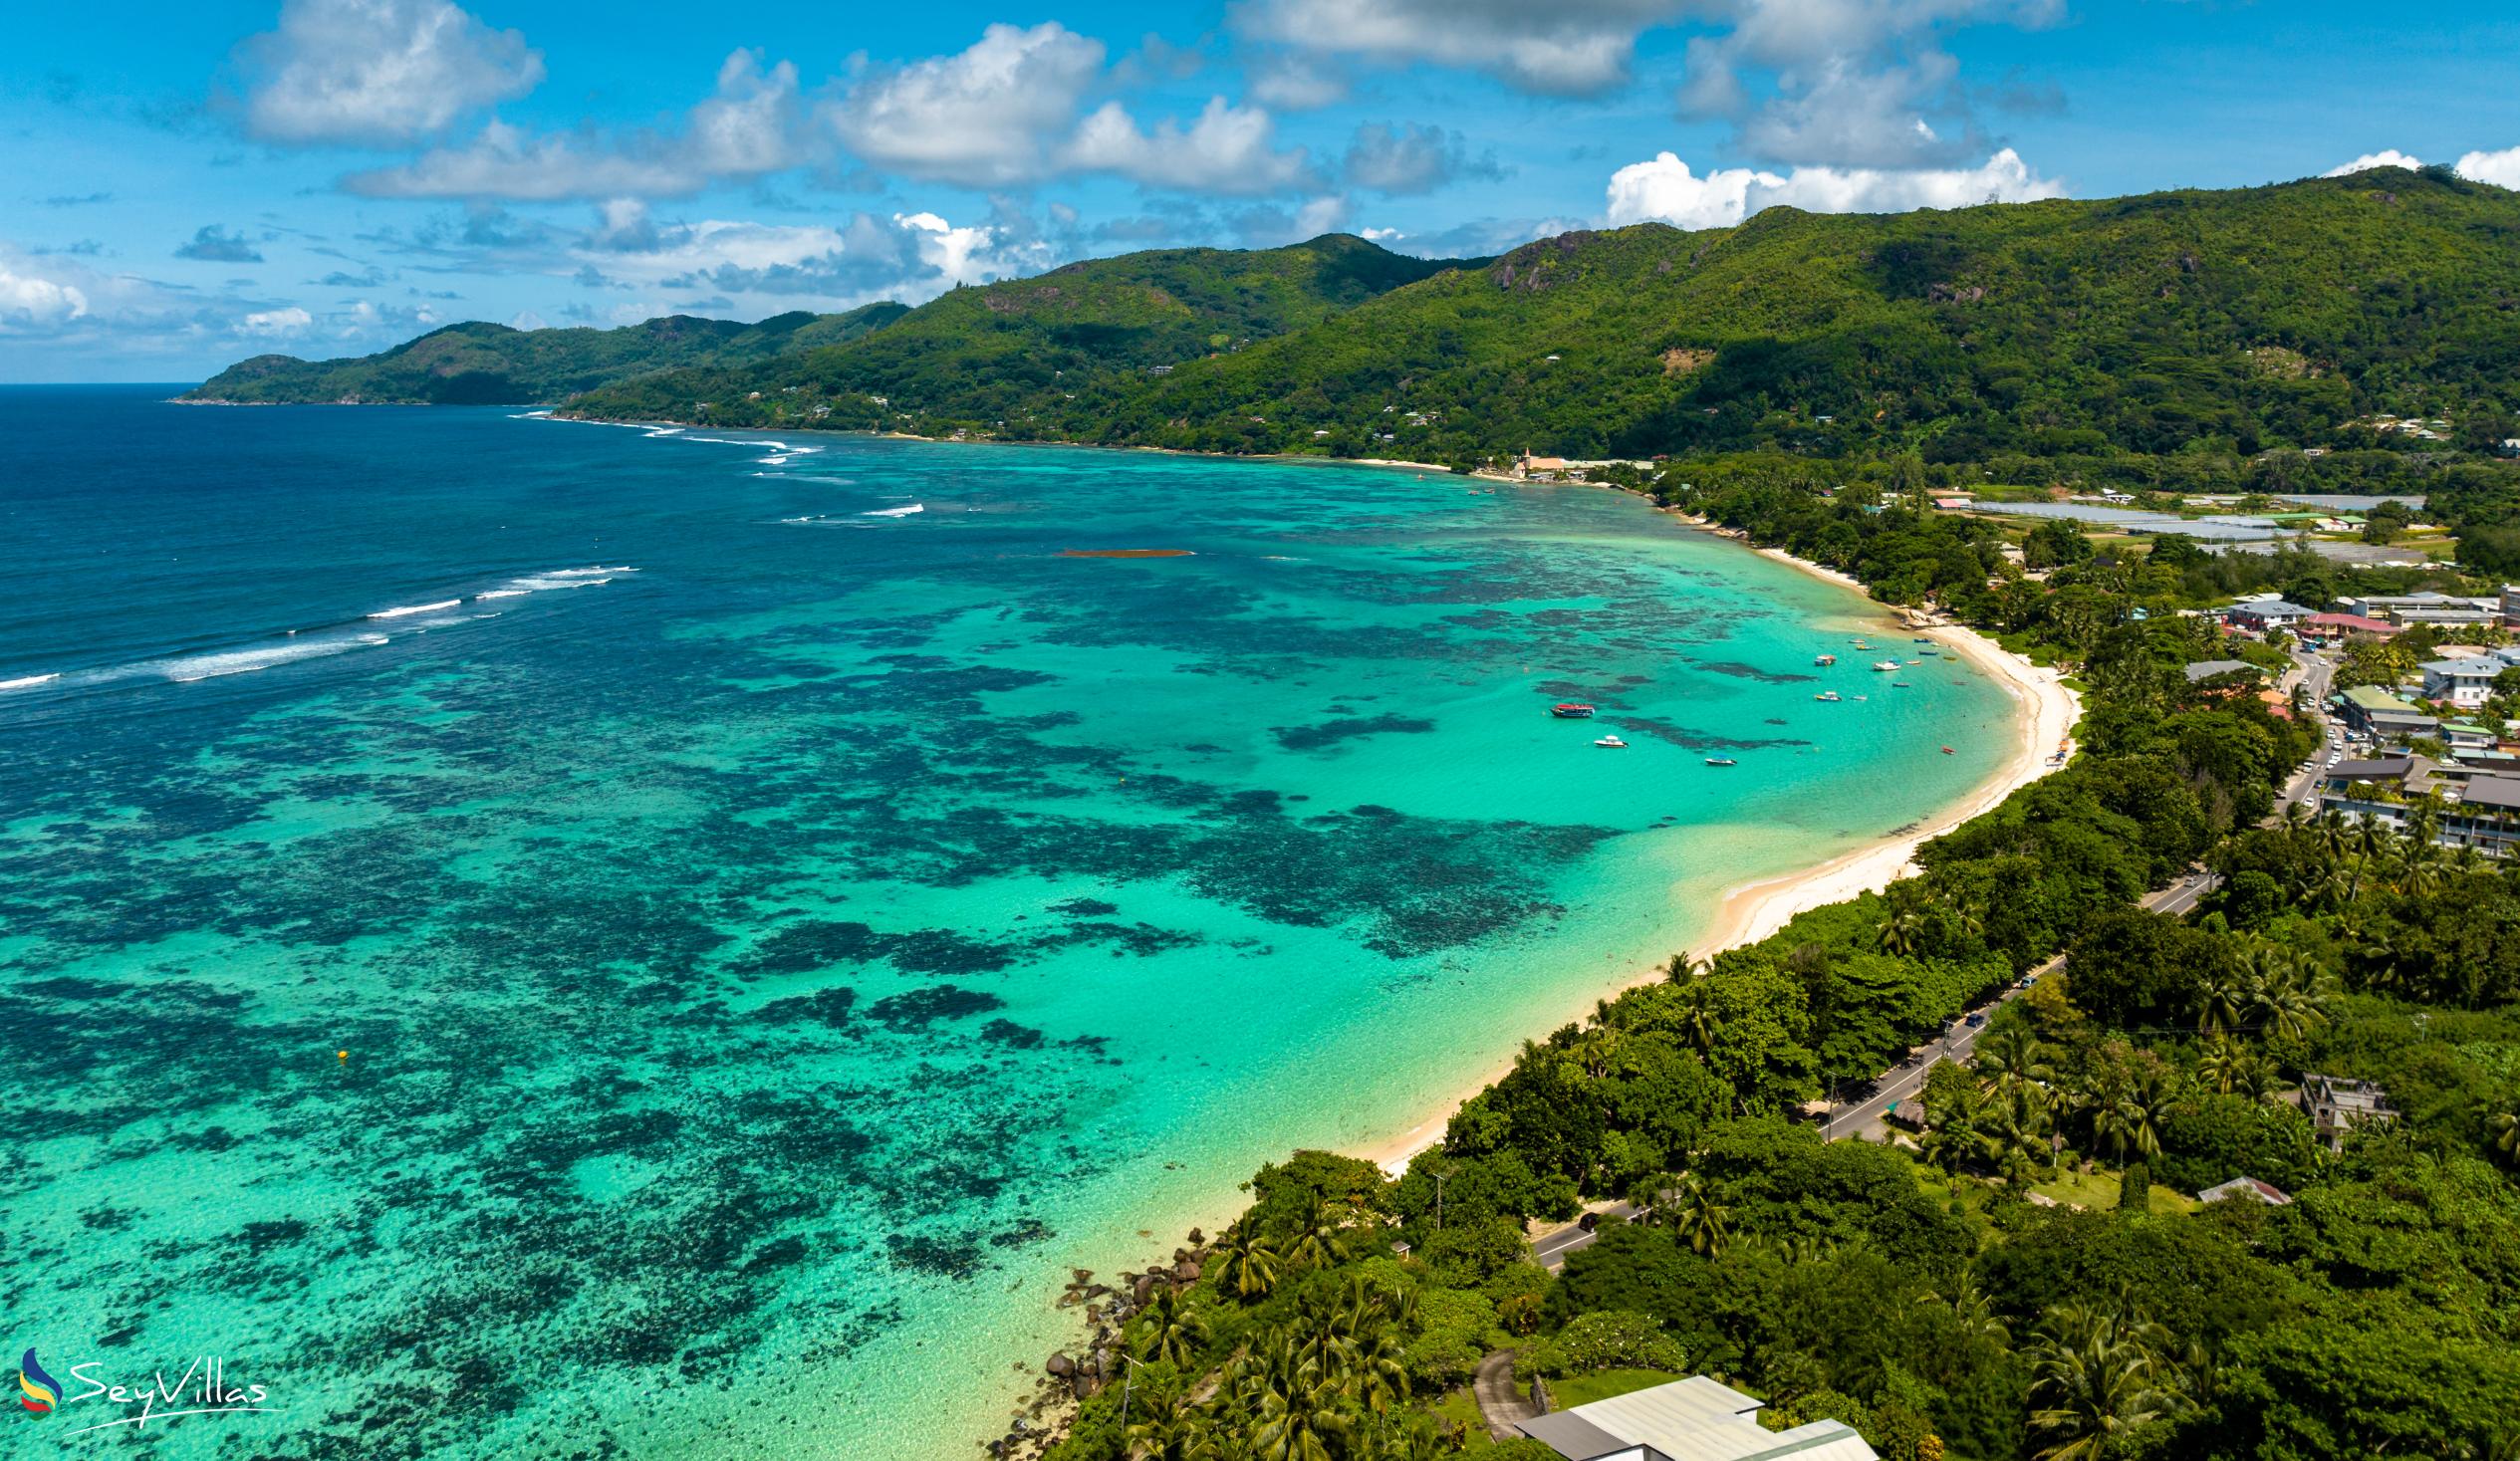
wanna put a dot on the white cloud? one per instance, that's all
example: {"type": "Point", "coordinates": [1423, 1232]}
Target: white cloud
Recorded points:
{"type": "Point", "coordinates": [983, 116]}
{"type": "Point", "coordinates": [1229, 150]}
{"type": "Point", "coordinates": [1295, 83]}
{"type": "Point", "coordinates": [907, 256]}
{"type": "Point", "coordinates": [30, 303]}
{"type": "Point", "coordinates": [747, 128]}
{"type": "Point", "coordinates": [2502, 168]}
{"type": "Point", "coordinates": [528, 320]}
{"type": "Point", "coordinates": [2387, 157]}
{"type": "Point", "coordinates": [367, 70]}
{"type": "Point", "coordinates": [1842, 82]}
{"type": "Point", "coordinates": [272, 323]}
{"type": "Point", "coordinates": [1564, 47]}
{"type": "Point", "coordinates": [1666, 190]}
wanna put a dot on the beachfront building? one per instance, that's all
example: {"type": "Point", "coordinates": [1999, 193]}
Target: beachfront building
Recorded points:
{"type": "Point", "coordinates": [2205, 669]}
{"type": "Point", "coordinates": [1695, 1419]}
{"type": "Point", "coordinates": [2465, 683]}
{"type": "Point", "coordinates": [2247, 1190]}
{"type": "Point", "coordinates": [2327, 629]}
{"type": "Point", "coordinates": [2337, 1106]}
{"type": "Point", "coordinates": [2258, 615]}
{"type": "Point", "coordinates": [2372, 711]}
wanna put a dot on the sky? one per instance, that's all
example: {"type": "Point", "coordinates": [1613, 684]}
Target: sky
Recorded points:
{"type": "Point", "coordinates": [189, 184]}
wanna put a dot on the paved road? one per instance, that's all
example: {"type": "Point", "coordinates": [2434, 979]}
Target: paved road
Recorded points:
{"type": "Point", "coordinates": [2317, 671]}
{"type": "Point", "coordinates": [1500, 1401]}
{"type": "Point", "coordinates": [1553, 1247]}
{"type": "Point", "coordinates": [1958, 1042]}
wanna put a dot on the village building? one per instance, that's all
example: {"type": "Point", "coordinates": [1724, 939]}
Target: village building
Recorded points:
{"type": "Point", "coordinates": [2337, 1106]}
{"type": "Point", "coordinates": [1695, 1419]}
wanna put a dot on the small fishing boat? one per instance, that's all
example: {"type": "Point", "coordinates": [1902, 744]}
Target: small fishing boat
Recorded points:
{"type": "Point", "coordinates": [1898, 685]}
{"type": "Point", "coordinates": [1930, 649]}
{"type": "Point", "coordinates": [1571, 710]}
{"type": "Point", "coordinates": [1864, 697]}
{"type": "Point", "coordinates": [1612, 742]}
{"type": "Point", "coordinates": [1826, 695]}
{"type": "Point", "coordinates": [1722, 761]}
{"type": "Point", "coordinates": [1825, 659]}
{"type": "Point", "coordinates": [1916, 662]}
{"type": "Point", "coordinates": [1947, 751]}
{"type": "Point", "coordinates": [1885, 666]}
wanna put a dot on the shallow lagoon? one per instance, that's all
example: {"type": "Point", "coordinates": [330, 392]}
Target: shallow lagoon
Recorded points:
{"type": "Point", "coordinates": [773, 934]}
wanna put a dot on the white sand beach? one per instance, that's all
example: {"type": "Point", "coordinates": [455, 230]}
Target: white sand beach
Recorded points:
{"type": "Point", "coordinates": [1752, 912]}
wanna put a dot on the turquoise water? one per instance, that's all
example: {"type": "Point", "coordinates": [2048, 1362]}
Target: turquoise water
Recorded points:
{"type": "Point", "coordinates": [536, 939]}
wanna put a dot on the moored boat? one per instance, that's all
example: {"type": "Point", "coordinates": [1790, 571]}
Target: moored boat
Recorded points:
{"type": "Point", "coordinates": [1826, 695]}
{"type": "Point", "coordinates": [1885, 666]}
{"type": "Point", "coordinates": [1722, 761]}
{"type": "Point", "coordinates": [1612, 742]}
{"type": "Point", "coordinates": [1571, 710]}
{"type": "Point", "coordinates": [1825, 659]}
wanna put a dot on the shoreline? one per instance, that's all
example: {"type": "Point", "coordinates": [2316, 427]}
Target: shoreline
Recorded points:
{"type": "Point", "coordinates": [1752, 912]}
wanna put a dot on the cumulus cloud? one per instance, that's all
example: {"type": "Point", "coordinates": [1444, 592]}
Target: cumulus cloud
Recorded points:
{"type": "Point", "coordinates": [983, 118]}
{"type": "Point", "coordinates": [1842, 83]}
{"type": "Point", "coordinates": [2389, 157]}
{"type": "Point", "coordinates": [1568, 46]}
{"type": "Point", "coordinates": [1295, 83]}
{"type": "Point", "coordinates": [908, 256]}
{"type": "Point", "coordinates": [1230, 150]}
{"type": "Point", "coordinates": [2502, 168]}
{"type": "Point", "coordinates": [1666, 190]}
{"type": "Point", "coordinates": [216, 244]}
{"type": "Point", "coordinates": [747, 128]}
{"type": "Point", "coordinates": [274, 323]}
{"type": "Point", "coordinates": [1411, 159]}
{"type": "Point", "coordinates": [31, 304]}
{"type": "Point", "coordinates": [378, 70]}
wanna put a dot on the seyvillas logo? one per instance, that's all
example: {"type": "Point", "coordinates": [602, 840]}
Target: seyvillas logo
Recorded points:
{"type": "Point", "coordinates": [37, 1392]}
{"type": "Point", "coordinates": [201, 1388]}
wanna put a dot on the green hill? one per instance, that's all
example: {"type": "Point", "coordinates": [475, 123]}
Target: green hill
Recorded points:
{"type": "Point", "coordinates": [1050, 355]}
{"type": "Point", "coordinates": [2190, 323]}
{"type": "Point", "coordinates": [479, 363]}
{"type": "Point", "coordinates": [2152, 325]}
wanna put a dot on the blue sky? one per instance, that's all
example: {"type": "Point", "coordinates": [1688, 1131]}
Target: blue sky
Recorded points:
{"type": "Point", "coordinates": [189, 184]}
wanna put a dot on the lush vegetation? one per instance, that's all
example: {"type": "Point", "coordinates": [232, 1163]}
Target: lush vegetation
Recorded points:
{"type": "Point", "coordinates": [1035, 359]}
{"type": "Point", "coordinates": [2030, 1276]}
{"type": "Point", "coordinates": [493, 365]}
{"type": "Point", "coordinates": [2190, 340]}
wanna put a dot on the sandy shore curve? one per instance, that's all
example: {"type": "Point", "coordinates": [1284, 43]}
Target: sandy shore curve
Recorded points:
{"type": "Point", "coordinates": [1752, 912]}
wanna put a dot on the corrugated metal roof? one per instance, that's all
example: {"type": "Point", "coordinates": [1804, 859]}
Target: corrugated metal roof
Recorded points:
{"type": "Point", "coordinates": [1695, 1419]}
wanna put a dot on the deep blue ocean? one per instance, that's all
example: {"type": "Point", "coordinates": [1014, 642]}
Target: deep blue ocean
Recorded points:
{"type": "Point", "coordinates": [530, 938]}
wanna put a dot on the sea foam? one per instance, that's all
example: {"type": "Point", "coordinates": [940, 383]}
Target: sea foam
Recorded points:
{"type": "Point", "coordinates": [27, 682]}
{"type": "Point", "coordinates": [411, 608]}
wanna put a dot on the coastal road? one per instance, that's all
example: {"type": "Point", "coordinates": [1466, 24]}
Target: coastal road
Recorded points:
{"type": "Point", "coordinates": [1551, 1247]}
{"type": "Point", "coordinates": [1960, 1040]}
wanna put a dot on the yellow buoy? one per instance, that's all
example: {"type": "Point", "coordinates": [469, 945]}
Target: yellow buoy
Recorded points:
{"type": "Point", "coordinates": [342, 1054]}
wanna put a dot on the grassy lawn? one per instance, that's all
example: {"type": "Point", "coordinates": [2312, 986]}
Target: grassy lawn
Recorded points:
{"type": "Point", "coordinates": [2096, 1192]}
{"type": "Point", "coordinates": [1601, 1384]}
{"type": "Point", "coordinates": [1460, 1408]}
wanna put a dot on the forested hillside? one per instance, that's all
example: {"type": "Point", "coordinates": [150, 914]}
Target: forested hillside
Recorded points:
{"type": "Point", "coordinates": [480, 364]}
{"type": "Point", "coordinates": [2187, 331]}
{"type": "Point", "coordinates": [1047, 355]}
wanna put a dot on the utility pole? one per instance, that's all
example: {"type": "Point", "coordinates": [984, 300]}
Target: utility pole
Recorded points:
{"type": "Point", "coordinates": [1129, 1378]}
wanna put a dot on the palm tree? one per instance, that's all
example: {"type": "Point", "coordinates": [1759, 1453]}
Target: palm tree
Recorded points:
{"type": "Point", "coordinates": [2220, 1063]}
{"type": "Point", "coordinates": [2223, 995]}
{"type": "Point", "coordinates": [1952, 1138]}
{"type": "Point", "coordinates": [2096, 1378]}
{"type": "Point", "coordinates": [2128, 1117]}
{"type": "Point", "coordinates": [1170, 1429]}
{"type": "Point", "coordinates": [2011, 1055]}
{"type": "Point", "coordinates": [1303, 1422]}
{"type": "Point", "coordinates": [1247, 1264]}
{"type": "Point", "coordinates": [1680, 968]}
{"type": "Point", "coordinates": [1900, 934]}
{"type": "Point", "coordinates": [1319, 1244]}
{"type": "Point", "coordinates": [1702, 1221]}
{"type": "Point", "coordinates": [1174, 1331]}
{"type": "Point", "coordinates": [1695, 1018]}
{"type": "Point", "coordinates": [1974, 1310]}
